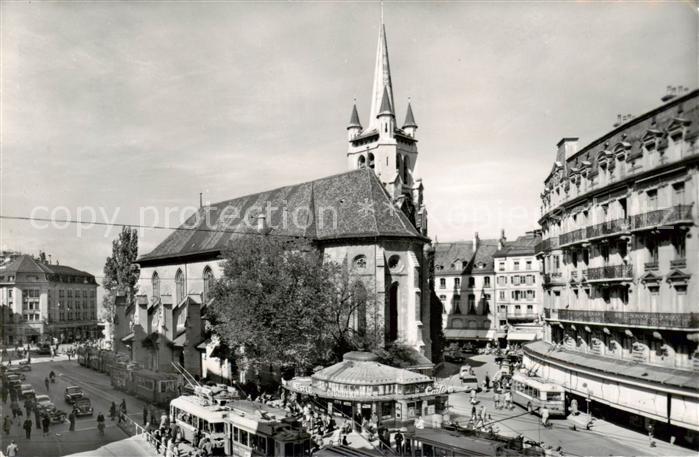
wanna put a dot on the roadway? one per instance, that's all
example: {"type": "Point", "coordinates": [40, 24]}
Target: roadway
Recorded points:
{"type": "Point", "coordinates": [60, 440]}
{"type": "Point", "coordinates": [604, 438]}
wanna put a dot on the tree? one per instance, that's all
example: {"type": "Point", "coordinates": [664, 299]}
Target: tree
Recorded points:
{"type": "Point", "coordinates": [120, 271]}
{"type": "Point", "coordinates": [284, 304]}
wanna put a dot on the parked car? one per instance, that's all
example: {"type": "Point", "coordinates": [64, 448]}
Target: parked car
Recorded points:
{"type": "Point", "coordinates": [44, 349]}
{"type": "Point", "coordinates": [470, 382]}
{"type": "Point", "coordinates": [454, 356]}
{"type": "Point", "coordinates": [56, 416]}
{"type": "Point", "coordinates": [72, 393]}
{"type": "Point", "coordinates": [17, 371]}
{"type": "Point", "coordinates": [43, 402]}
{"type": "Point", "coordinates": [24, 365]}
{"type": "Point", "coordinates": [83, 407]}
{"type": "Point", "coordinates": [26, 392]}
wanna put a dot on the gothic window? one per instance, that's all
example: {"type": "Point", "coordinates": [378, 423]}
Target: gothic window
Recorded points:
{"type": "Point", "coordinates": [361, 162]}
{"type": "Point", "coordinates": [406, 168]}
{"type": "Point", "coordinates": [359, 262]}
{"type": "Point", "coordinates": [155, 283]}
{"type": "Point", "coordinates": [394, 263]}
{"type": "Point", "coordinates": [208, 277]}
{"type": "Point", "coordinates": [179, 287]}
{"type": "Point", "coordinates": [371, 160]}
{"type": "Point", "coordinates": [399, 163]}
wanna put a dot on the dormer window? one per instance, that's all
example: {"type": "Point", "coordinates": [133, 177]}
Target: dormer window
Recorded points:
{"type": "Point", "coordinates": [677, 128]}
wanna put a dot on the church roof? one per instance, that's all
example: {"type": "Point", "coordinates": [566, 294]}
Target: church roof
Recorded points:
{"type": "Point", "coordinates": [354, 118]}
{"type": "Point", "coordinates": [386, 107]}
{"type": "Point", "coordinates": [409, 118]}
{"type": "Point", "coordinates": [348, 205]}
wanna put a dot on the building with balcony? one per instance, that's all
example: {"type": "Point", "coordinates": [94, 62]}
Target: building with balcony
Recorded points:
{"type": "Point", "coordinates": [40, 301]}
{"type": "Point", "coordinates": [518, 285]}
{"type": "Point", "coordinates": [464, 282]}
{"type": "Point", "coordinates": [620, 256]}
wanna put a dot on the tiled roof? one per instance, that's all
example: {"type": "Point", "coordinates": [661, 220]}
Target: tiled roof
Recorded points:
{"type": "Point", "coordinates": [523, 245]}
{"type": "Point", "coordinates": [368, 373]}
{"type": "Point", "coordinates": [409, 118]}
{"type": "Point", "coordinates": [348, 205]}
{"type": "Point", "coordinates": [28, 264]}
{"type": "Point", "coordinates": [449, 255]}
{"type": "Point", "coordinates": [354, 118]}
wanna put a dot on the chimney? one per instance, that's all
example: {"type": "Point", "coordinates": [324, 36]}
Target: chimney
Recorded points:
{"type": "Point", "coordinates": [49, 259]}
{"type": "Point", "coordinates": [501, 241]}
{"type": "Point", "coordinates": [475, 241]}
{"type": "Point", "coordinates": [670, 93]}
{"type": "Point", "coordinates": [567, 147]}
{"type": "Point", "coordinates": [618, 121]}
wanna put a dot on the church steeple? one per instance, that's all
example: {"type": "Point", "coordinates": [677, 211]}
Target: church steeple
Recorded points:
{"type": "Point", "coordinates": [409, 126]}
{"type": "Point", "coordinates": [382, 79]}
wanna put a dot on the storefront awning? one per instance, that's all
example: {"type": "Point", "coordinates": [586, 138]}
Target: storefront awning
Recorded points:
{"type": "Point", "coordinates": [521, 336]}
{"type": "Point", "coordinates": [469, 334]}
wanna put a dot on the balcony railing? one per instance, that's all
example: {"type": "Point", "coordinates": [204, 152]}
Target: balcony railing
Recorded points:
{"type": "Point", "coordinates": [609, 228]}
{"type": "Point", "coordinates": [660, 320]}
{"type": "Point", "coordinates": [651, 266]}
{"type": "Point", "coordinates": [551, 278]}
{"type": "Point", "coordinates": [679, 263]}
{"type": "Point", "coordinates": [572, 237]}
{"type": "Point", "coordinates": [547, 244]}
{"type": "Point", "coordinates": [609, 272]}
{"type": "Point", "coordinates": [667, 216]}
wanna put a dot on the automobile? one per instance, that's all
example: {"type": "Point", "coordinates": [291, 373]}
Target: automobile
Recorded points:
{"type": "Point", "coordinates": [83, 407]}
{"type": "Point", "coordinates": [454, 356]}
{"type": "Point", "coordinates": [469, 348]}
{"type": "Point", "coordinates": [16, 370]}
{"type": "Point", "coordinates": [43, 401]}
{"type": "Point", "coordinates": [26, 392]}
{"type": "Point", "coordinates": [24, 365]}
{"type": "Point", "coordinates": [470, 382]}
{"type": "Point", "coordinates": [56, 416]}
{"type": "Point", "coordinates": [44, 349]}
{"type": "Point", "coordinates": [72, 393]}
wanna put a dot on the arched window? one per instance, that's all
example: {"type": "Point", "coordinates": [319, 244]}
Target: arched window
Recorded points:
{"type": "Point", "coordinates": [361, 162]}
{"type": "Point", "coordinates": [155, 283]}
{"type": "Point", "coordinates": [179, 287]}
{"type": "Point", "coordinates": [371, 160]}
{"type": "Point", "coordinates": [406, 168]}
{"type": "Point", "coordinates": [208, 277]}
{"type": "Point", "coordinates": [399, 163]}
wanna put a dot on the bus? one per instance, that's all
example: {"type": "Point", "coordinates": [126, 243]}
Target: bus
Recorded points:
{"type": "Point", "coordinates": [534, 393]}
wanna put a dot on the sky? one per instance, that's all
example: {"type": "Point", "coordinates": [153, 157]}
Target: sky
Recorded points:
{"type": "Point", "coordinates": [125, 112]}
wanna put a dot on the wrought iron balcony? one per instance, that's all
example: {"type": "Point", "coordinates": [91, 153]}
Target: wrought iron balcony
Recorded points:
{"type": "Point", "coordinates": [553, 278]}
{"type": "Point", "coordinates": [659, 320]}
{"type": "Point", "coordinates": [547, 244]}
{"type": "Point", "coordinates": [668, 216]}
{"type": "Point", "coordinates": [679, 263]}
{"type": "Point", "coordinates": [609, 273]}
{"type": "Point", "coordinates": [608, 228]}
{"type": "Point", "coordinates": [572, 237]}
{"type": "Point", "coordinates": [651, 266]}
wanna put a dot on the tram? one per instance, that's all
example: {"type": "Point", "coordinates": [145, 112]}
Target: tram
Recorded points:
{"type": "Point", "coordinates": [433, 442]}
{"type": "Point", "coordinates": [534, 393]}
{"type": "Point", "coordinates": [237, 427]}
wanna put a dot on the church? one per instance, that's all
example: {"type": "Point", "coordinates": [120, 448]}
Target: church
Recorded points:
{"type": "Point", "coordinates": [372, 217]}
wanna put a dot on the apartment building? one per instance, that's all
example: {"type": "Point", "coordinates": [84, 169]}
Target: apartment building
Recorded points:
{"type": "Point", "coordinates": [620, 255]}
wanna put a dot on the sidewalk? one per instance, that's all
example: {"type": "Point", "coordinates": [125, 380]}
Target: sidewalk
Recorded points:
{"type": "Point", "coordinates": [637, 440]}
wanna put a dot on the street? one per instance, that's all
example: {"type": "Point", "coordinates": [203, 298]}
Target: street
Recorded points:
{"type": "Point", "coordinates": [603, 439]}
{"type": "Point", "coordinates": [60, 441]}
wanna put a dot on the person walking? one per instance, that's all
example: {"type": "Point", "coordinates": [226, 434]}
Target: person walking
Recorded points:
{"type": "Point", "coordinates": [7, 425]}
{"type": "Point", "coordinates": [37, 416]}
{"type": "Point", "coordinates": [45, 424]}
{"type": "Point", "coordinates": [399, 442]}
{"type": "Point", "coordinates": [71, 419]}
{"type": "Point", "coordinates": [112, 411]}
{"type": "Point", "coordinates": [12, 449]}
{"type": "Point", "coordinates": [27, 428]}
{"type": "Point", "coordinates": [545, 416]}
{"type": "Point", "coordinates": [46, 383]}
{"type": "Point", "coordinates": [145, 415]}
{"type": "Point", "coordinates": [496, 400]}
{"type": "Point", "coordinates": [3, 393]}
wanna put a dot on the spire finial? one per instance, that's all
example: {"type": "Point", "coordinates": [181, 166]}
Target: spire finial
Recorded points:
{"type": "Point", "coordinates": [381, 11]}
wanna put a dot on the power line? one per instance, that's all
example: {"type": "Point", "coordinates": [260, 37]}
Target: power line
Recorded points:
{"type": "Point", "coordinates": [266, 232]}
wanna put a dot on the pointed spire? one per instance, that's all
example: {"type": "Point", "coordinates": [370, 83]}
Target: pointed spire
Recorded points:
{"type": "Point", "coordinates": [386, 106]}
{"type": "Point", "coordinates": [382, 79]}
{"type": "Point", "coordinates": [409, 118]}
{"type": "Point", "coordinates": [354, 118]}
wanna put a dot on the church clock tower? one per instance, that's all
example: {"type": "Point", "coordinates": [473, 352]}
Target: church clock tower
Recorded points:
{"type": "Point", "coordinates": [384, 147]}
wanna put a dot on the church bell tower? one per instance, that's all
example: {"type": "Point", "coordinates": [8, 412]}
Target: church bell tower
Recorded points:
{"type": "Point", "coordinates": [384, 147]}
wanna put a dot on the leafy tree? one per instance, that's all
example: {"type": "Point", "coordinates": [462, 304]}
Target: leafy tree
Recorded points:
{"type": "Point", "coordinates": [284, 304]}
{"type": "Point", "coordinates": [120, 272]}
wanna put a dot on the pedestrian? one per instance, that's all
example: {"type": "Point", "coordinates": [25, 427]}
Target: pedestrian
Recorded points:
{"type": "Point", "coordinates": [7, 425]}
{"type": "Point", "coordinates": [45, 423]}
{"type": "Point", "coordinates": [487, 381]}
{"type": "Point", "coordinates": [12, 449]}
{"type": "Point", "coordinates": [574, 407]}
{"type": "Point", "coordinates": [483, 413]}
{"type": "Point", "coordinates": [651, 443]}
{"type": "Point", "coordinates": [145, 415]}
{"type": "Point", "coordinates": [473, 410]}
{"type": "Point", "coordinates": [37, 416]}
{"type": "Point", "coordinates": [496, 400]}
{"type": "Point", "coordinates": [508, 400]}
{"type": "Point", "coordinates": [545, 416]}
{"type": "Point", "coordinates": [399, 442]}
{"type": "Point", "coordinates": [71, 419]}
{"type": "Point", "coordinates": [473, 396]}
{"type": "Point", "coordinates": [3, 393]}
{"type": "Point", "coordinates": [112, 411]}
{"type": "Point", "coordinates": [27, 427]}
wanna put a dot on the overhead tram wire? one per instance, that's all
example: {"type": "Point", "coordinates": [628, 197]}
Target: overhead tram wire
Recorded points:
{"type": "Point", "coordinates": [150, 227]}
